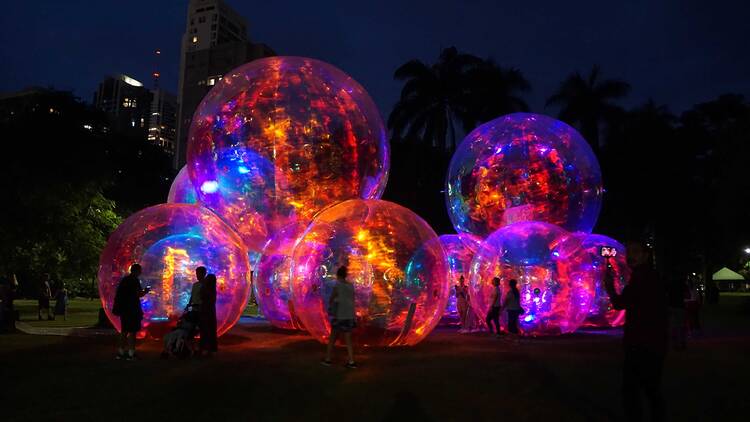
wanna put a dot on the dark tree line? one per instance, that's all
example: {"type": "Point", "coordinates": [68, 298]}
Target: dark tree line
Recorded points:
{"type": "Point", "coordinates": [68, 182]}
{"type": "Point", "coordinates": [678, 182]}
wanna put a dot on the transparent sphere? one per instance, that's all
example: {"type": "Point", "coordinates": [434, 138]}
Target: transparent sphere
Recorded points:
{"type": "Point", "coordinates": [555, 298]}
{"type": "Point", "coordinates": [395, 261]}
{"type": "Point", "coordinates": [278, 139]}
{"type": "Point", "coordinates": [582, 252]}
{"type": "Point", "coordinates": [523, 167]}
{"type": "Point", "coordinates": [182, 190]}
{"type": "Point", "coordinates": [460, 250]}
{"type": "Point", "coordinates": [272, 280]}
{"type": "Point", "coordinates": [170, 241]}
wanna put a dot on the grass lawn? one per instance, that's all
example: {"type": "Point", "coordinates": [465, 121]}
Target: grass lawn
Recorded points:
{"type": "Point", "coordinates": [265, 374]}
{"type": "Point", "coordinates": [81, 313]}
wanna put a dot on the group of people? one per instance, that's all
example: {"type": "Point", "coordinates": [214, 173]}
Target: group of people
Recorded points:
{"type": "Point", "coordinates": [511, 303]}
{"type": "Point", "coordinates": [201, 309]}
{"type": "Point", "coordinates": [48, 290]}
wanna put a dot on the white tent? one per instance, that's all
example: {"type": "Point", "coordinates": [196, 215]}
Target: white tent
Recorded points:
{"type": "Point", "coordinates": [728, 280]}
{"type": "Point", "coordinates": [725, 274]}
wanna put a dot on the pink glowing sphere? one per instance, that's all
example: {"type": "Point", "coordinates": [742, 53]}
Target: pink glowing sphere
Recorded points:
{"type": "Point", "coordinates": [583, 251]}
{"type": "Point", "coordinates": [460, 250]}
{"type": "Point", "coordinates": [278, 139]}
{"type": "Point", "coordinates": [170, 241]}
{"type": "Point", "coordinates": [182, 190]}
{"type": "Point", "coordinates": [523, 167]}
{"type": "Point", "coordinates": [272, 280]}
{"type": "Point", "coordinates": [556, 294]}
{"type": "Point", "coordinates": [395, 261]}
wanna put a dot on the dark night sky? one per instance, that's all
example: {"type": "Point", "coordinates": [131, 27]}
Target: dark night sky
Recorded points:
{"type": "Point", "coordinates": [676, 52]}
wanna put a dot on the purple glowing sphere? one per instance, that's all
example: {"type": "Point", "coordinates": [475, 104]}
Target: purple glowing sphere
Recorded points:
{"type": "Point", "coordinates": [182, 190]}
{"type": "Point", "coordinates": [523, 167]}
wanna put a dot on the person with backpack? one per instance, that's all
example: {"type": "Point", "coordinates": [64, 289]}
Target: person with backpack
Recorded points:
{"type": "Point", "coordinates": [127, 306]}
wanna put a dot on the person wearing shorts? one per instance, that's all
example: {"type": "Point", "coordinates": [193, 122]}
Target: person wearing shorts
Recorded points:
{"type": "Point", "coordinates": [341, 312]}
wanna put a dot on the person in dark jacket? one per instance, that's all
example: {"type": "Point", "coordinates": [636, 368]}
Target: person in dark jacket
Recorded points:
{"type": "Point", "coordinates": [127, 306]}
{"type": "Point", "coordinates": [208, 342]}
{"type": "Point", "coordinates": [646, 334]}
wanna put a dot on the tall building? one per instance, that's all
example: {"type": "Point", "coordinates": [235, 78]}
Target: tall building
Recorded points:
{"type": "Point", "coordinates": [162, 123]}
{"type": "Point", "coordinates": [215, 42]}
{"type": "Point", "coordinates": [127, 102]}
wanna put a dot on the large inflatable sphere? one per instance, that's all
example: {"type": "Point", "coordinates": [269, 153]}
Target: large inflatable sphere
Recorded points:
{"type": "Point", "coordinates": [395, 261]}
{"type": "Point", "coordinates": [278, 139]}
{"type": "Point", "coordinates": [460, 250]}
{"type": "Point", "coordinates": [182, 190]}
{"type": "Point", "coordinates": [272, 285]}
{"type": "Point", "coordinates": [582, 252]}
{"type": "Point", "coordinates": [523, 167]}
{"type": "Point", "coordinates": [170, 241]}
{"type": "Point", "coordinates": [556, 298]}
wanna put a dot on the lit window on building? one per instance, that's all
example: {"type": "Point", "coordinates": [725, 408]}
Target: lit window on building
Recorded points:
{"type": "Point", "coordinates": [211, 81]}
{"type": "Point", "coordinates": [87, 127]}
{"type": "Point", "coordinates": [195, 40]}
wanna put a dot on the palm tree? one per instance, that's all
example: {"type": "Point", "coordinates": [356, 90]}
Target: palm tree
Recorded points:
{"type": "Point", "coordinates": [433, 99]}
{"type": "Point", "coordinates": [587, 102]}
{"type": "Point", "coordinates": [494, 91]}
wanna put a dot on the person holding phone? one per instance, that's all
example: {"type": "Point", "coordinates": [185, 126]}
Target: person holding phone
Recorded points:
{"type": "Point", "coordinates": [127, 305]}
{"type": "Point", "coordinates": [646, 332]}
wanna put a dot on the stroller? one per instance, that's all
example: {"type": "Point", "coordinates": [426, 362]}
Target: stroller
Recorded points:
{"type": "Point", "coordinates": [179, 341]}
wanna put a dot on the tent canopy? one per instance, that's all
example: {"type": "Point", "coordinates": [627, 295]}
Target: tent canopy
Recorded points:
{"type": "Point", "coordinates": [726, 274]}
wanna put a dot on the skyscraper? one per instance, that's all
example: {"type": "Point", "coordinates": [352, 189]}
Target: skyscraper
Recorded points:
{"type": "Point", "coordinates": [162, 123]}
{"type": "Point", "coordinates": [215, 42]}
{"type": "Point", "coordinates": [127, 102]}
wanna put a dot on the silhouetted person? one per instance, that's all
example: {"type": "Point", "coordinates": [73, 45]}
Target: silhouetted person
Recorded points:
{"type": "Point", "coordinates": [194, 304]}
{"type": "Point", "coordinates": [512, 306]}
{"type": "Point", "coordinates": [493, 315]}
{"type": "Point", "coordinates": [341, 312]}
{"type": "Point", "coordinates": [61, 302]}
{"type": "Point", "coordinates": [462, 303]}
{"type": "Point", "coordinates": [6, 306]}
{"type": "Point", "coordinates": [45, 293]}
{"type": "Point", "coordinates": [693, 303]}
{"type": "Point", "coordinates": [677, 293]}
{"type": "Point", "coordinates": [645, 339]}
{"type": "Point", "coordinates": [127, 306]}
{"type": "Point", "coordinates": [208, 342]}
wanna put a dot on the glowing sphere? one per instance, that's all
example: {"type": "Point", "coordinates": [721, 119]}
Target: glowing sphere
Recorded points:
{"type": "Point", "coordinates": [170, 241]}
{"type": "Point", "coordinates": [272, 285]}
{"type": "Point", "coordinates": [582, 251]}
{"type": "Point", "coordinates": [182, 190]}
{"type": "Point", "coordinates": [278, 139]}
{"type": "Point", "coordinates": [523, 167]}
{"type": "Point", "coordinates": [460, 250]}
{"type": "Point", "coordinates": [395, 261]}
{"type": "Point", "coordinates": [555, 296]}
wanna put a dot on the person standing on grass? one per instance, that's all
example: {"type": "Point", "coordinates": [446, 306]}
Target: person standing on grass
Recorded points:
{"type": "Point", "coordinates": [44, 295]}
{"type": "Point", "coordinates": [493, 316]}
{"type": "Point", "coordinates": [646, 333]}
{"type": "Point", "coordinates": [61, 302]}
{"type": "Point", "coordinates": [127, 306]}
{"type": "Point", "coordinates": [462, 303]}
{"type": "Point", "coordinates": [208, 341]}
{"type": "Point", "coordinates": [341, 312]}
{"type": "Point", "coordinates": [512, 306]}
{"type": "Point", "coordinates": [194, 304]}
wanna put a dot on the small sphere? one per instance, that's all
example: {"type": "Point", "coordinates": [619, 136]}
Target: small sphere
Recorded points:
{"type": "Point", "coordinates": [182, 190]}
{"type": "Point", "coordinates": [555, 299]}
{"type": "Point", "coordinates": [582, 252]}
{"type": "Point", "coordinates": [523, 167]}
{"type": "Point", "coordinates": [272, 281]}
{"type": "Point", "coordinates": [278, 139]}
{"type": "Point", "coordinates": [394, 260]}
{"type": "Point", "coordinates": [170, 241]}
{"type": "Point", "coordinates": [460, 250]}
